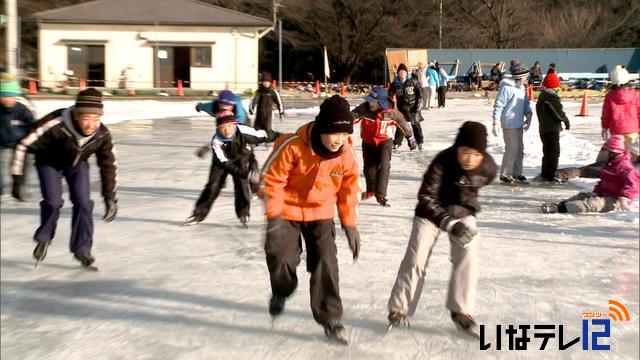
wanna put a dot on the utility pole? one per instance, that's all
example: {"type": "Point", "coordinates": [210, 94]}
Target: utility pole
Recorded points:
{"type": "Point", "coordinates": [440, 36]}
{"type": "Point", "coordinates": [277, 24]}
{"type": "Point", "coordinates": [12, 37]}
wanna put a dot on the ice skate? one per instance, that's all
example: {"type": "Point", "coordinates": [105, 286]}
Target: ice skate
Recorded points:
{"type": "Point", "coordinates": [334, 331]}
{"type": "Point", "coordinates": [244, 220]}
{"type": "Point", "coordinates": [397, 320]}
{"type": "Point", "coordinates": [192, 220]}
{"type": "Point", "coordinates": [40, 252]}
{"type": "Point", "coordinates": [383, 201]}
{"type": "Point", "coordinates": [367, 195]}
{"type": "Point", "coordinates": [86, 260]}
{"type": "Point", "coordinates": [465, 323]}
{"type": "Point", "coordinates": [276, 305]}
{"type": "Point", "coordinates": [549, 208]}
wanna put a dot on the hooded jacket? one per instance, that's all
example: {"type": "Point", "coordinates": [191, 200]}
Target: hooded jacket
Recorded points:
{"type": "Point", "coordinates": [511, 105]}
{"type": "Point", "coordinates": [447, 190]}
{"type": "Point", "coordinates": [408, 95]}
{"type": "Point", "coordinates": [550, 112]}
{"type": "Point", "coordinates": [14, 124]}
{"type": "Point", "coordinates": [300, 185]}
{"type": "Point", "coordinates": [621, 111]}
{"type": "Point", "coordinates": [618, 178]}
{"type": "Point", "coordinates": [380, 126]}
{"type": "Point", "coordinates": [56, 143]}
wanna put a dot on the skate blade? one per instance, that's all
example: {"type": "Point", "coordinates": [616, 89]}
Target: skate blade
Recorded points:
{"type": "Point", "coordinates": [190, 223]}
{"type": "Point", "coordinates": [468, 331]}
{"type": "Point", "coordinates": [338, 340]}
{"type": "Point", "coordinates": [90, 268]}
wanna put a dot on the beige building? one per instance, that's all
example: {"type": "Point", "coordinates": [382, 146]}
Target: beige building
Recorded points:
{"type": "Point", "coordinates": [150, 43]}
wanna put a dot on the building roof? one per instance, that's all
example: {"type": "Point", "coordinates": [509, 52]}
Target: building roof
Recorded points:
{"type": "Point", "coordinates": [146, 12]}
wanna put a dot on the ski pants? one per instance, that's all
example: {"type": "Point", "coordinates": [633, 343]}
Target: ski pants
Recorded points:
{"type": "Point", "coordinates": [513, 152]}
{"type": "Point", "coordinates": [425, 97]}
{"type": "Point", "coordinates": [263, 121]}
{"type": "Point", "coordinates": [377, 163]}
{"type": "Point", "coordinates": [79, 191]}
{"type": "Point", "coordinates": [550, 154]}
{"type": "Point", "coordinates": [414, 119]}
{"type": "Point", "coordinates": [211, 191]}
{"type": "Point", "coordinates": [431, 96]}
{"type": "Point", "coordinates": [283, 248]}
{"type": "Point", "coordinates": [442, 95]}
{"type": "Point", "coordinates": [590, 202]}
{"type": "Point", "coordinates": [411, 275]}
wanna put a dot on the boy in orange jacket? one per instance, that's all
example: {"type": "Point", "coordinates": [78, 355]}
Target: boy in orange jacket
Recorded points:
{"type": "Point", "coordinates": [307, 175]}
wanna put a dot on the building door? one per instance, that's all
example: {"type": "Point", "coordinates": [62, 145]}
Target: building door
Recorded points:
{"type": "Point", "coordinates": [87, 63]}
{"type": "Point", "coordinates": [182, 65]}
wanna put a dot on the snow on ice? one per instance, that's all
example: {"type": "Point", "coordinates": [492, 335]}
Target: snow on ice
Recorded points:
{"type": "Point", "coordinates": [168, 292]}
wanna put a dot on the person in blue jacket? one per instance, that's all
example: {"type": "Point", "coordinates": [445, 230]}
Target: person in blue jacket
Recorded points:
{"type": "Point", "coordinates": [433, 82]}
{"type": "Point", "coordinates": [227, 100]}
{"type": "Point", "coordinates": [15, 121]}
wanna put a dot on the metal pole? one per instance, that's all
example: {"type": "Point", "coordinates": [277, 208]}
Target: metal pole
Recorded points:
{"type": "Point", "coordinates": [280, 55]}
{"type": "Point", "coordinates": [157, 59]}
{"type": "Point", "coordinates": [440, 36]}
{"type": "Point", "coordinates": [12, 37]}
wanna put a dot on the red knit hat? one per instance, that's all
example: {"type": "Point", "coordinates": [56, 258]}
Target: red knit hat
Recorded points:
{"type": "Point", "coordinates": [551, 81]}
{"type": "Point", "coordinates": [615, 144]}
{"type": "Point", "coordinates": [224, 117]}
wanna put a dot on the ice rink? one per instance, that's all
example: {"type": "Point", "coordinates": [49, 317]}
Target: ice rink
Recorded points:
{"type": "Point", "coordinates": [169, 292]}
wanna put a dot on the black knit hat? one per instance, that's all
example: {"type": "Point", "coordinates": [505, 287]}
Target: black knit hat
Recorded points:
{"type": "Point", "coordinates": [266, 76]}
{"type": "Point", "coordinates": [335, 116]}
{"type": "Point", "coordinates": [89, 101]}
{"type": "Point", "coordinates": [472, 134]}
{"type": "Point", "coordinates": [402, 67]}
{"type": "Point", "coordinates": [224, 117]}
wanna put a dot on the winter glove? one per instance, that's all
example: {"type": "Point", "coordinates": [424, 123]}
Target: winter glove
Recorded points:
{"type": "Point", "coordinates": [16, 190]}
{"type": "Point", "coordinates": [605, 134]}
{"type": "Point", "coordinates": [412, 142]}
{"type": "Point", "coordinates": [462, 233]}
{"type": "Point", "coordinates": [624, 203]}
{"type": "Point", "coordinates": [353, 236]}
{"type": "Point", "coordinates": [199, 107]}
{"type": "Point", "coordinates": [527, 122]}
{"type": "Point", "coordinates": [567, 125]}
{"type": "Point", "coordinates": [281, 115]}
{"type": "Point", "coordinates": [250, 111]}
{"type": "Point", "coordinates": [202, 152]}
{"type": "Point", "coordinates": [494, 130]}
{"type": "Point", "coordinates": [111, 209]}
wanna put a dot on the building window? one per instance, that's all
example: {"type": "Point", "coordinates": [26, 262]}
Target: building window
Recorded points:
{"type": "Point", "coordinates": [201, 56]}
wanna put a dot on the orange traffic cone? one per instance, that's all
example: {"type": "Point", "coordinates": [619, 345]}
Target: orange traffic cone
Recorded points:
{"type": "Point", "coordinates": [180, 89]}
{"type": "Point", "coordinates": [342, 90]}
{"type": "Point", "coordinates": [584, 110]}
{"type": "Point", "coordinates": [132, 91]}
{"type": "Point", "coordinates": [33, 88]}
{"type": "Point", "coordinates": [83, 84]}
{"type": "Point", "coordinates": [530, 92]}
{"type": "Point", "coordinates": [318, 87]}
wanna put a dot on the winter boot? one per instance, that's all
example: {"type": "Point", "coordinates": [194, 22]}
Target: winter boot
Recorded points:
{"type": "Point", "coordinates": [85, 258]}
{"type": "Point", "coordinates": [549, 208]}
{"type": "Point", "coordinates": [334, 331]}
{"type": "Point", "coordinates": [420, 147]}
{"type": "Point", "coordinates": [40, 252]}
{"type": "Point", "coordinates": [244, 219]}
{"type": "Point", "coordinates": [367, 195]}
{"type": "Point", "coordinates": [396, 146]}
{"type": "Point", "coordinates": [192, 220]}
{"type": "Point", "coordinates": [276, 305]}
{"type": "Point", "coordinates": [396, 320]}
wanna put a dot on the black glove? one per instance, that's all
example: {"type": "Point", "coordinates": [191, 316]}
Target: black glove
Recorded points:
{"type": "Point", "coordinates": [281, 115]}
{"type": "Point", "coordinates": [461, 232]}
{"type": "Point", "coordinates": [199, 107]}
{"type": "Point", "coordinates": [250, 111]}
{"type": "Point", "coordinates": [353, 236]}
{"type": "Point", "coordinates": [111, 209]}
{"type": "Point", "coordinates": [16, 190]}
{"type": "Point", "coordinates": [567, 126]}
{"type": "Point", "coordinates": [202, 151]}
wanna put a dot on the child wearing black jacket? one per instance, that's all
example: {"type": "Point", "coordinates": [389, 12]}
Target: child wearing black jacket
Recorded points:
{"type": "Point", "coordinates": [447, 201]}
{"type": "Point", "coordinates": [232, 155]}
{"type": "Point", "coordinates": [262, 104]}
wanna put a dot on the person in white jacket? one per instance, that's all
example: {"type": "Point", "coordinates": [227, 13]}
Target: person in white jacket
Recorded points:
{"type": "Point", "coordinates": [511, 107]}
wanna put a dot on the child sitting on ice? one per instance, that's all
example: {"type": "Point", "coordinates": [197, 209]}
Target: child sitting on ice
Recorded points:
{"type": "Point", "coordinates": [617, 188]}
